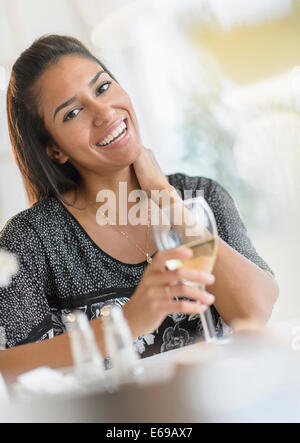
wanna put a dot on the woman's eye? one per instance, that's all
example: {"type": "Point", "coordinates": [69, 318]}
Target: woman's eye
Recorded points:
{"type": "Point", "coordinates": [103, 88]}
{"type": "Point", "coordinates": [71, 115]}
{"type": "Point", "coordinates": [99, 91]}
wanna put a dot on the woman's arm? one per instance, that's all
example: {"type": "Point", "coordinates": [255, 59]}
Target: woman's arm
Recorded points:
{"type": "Point", "coordinates": [242, 289]}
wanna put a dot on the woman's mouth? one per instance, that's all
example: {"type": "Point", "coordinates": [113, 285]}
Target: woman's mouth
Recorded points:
{"type": "Point", "coordinates": [117, 138]}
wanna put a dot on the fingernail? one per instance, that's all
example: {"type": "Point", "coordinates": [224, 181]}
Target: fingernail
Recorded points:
{"type": "Point", "coordinates": [210, 297]}
{"type": "Point", "coordinates": [210, 278]}
{"type": "Point", "coordinates": [187, 252]}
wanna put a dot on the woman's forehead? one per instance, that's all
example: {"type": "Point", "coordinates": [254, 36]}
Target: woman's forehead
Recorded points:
{"type": "Point", "coordinates": [63, 80]}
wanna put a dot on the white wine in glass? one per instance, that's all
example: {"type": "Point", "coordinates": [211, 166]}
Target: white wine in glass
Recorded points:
{"type": "Point", "coordinates": [190, 224]}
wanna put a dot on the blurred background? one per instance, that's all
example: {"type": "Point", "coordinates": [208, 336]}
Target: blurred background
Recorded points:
{"type": "Point", "coordinates": [216, 87]}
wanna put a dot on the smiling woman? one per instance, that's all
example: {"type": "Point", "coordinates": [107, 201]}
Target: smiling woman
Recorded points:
{"type": "Point", "coordinates": [43, 177]}
{"type": "Point", "coordinates": [74, 132]}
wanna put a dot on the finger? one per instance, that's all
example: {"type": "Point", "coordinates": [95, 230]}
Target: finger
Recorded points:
{"type": "Point", "coordinates": [154, 161]}
{"type": "Point", "coordinates": [172, 277]}
{"type": "Point", "coordinates": [182, 290]}
{"type": "Point", "coordinates": [167, 293]}
{"type": "Point", "coordinates": [160, 259]}
{"type": "Point", "coordinates": [183, 307]}
{"type": "Point", "coordinates": [194, 275]}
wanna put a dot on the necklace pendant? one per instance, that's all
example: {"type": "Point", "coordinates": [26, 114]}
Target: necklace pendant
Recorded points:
{"type": "Point", "coordinates": [149, 259]}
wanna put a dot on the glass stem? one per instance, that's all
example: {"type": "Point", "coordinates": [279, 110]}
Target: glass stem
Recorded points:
{"type": "Point", "coordinates": [207, 323]}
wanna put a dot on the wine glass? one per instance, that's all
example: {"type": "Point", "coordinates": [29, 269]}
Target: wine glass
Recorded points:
{"type": "Point", "coordinates": [189, 223]}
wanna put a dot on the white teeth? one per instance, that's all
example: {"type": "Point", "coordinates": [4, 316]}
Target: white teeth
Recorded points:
{"type": "Point", "coordinates": [115, 134]}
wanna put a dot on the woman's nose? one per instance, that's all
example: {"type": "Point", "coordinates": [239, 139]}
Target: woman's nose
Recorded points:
{"type": "Point", "coordinates": [103, 113]}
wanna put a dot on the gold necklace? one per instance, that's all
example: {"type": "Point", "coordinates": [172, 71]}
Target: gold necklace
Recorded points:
{"type": "Point", "coordinates": [148, 256]}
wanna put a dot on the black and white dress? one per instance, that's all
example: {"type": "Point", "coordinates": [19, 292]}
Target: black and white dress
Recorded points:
{"type": "Point", "coordinates": [62, 269]}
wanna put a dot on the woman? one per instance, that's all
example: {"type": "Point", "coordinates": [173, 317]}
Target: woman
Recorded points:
{"type": "Point", "coordinates": [74, 133]}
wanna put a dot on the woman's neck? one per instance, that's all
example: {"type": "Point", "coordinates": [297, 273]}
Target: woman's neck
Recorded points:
{"type": "Point", "coordinates": [90, 188]}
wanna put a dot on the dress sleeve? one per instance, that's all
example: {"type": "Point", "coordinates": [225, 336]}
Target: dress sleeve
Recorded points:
{"type": "Point", "coordinates": [24, 310]}
{"type": "Point", "coordinates": [230, 225]}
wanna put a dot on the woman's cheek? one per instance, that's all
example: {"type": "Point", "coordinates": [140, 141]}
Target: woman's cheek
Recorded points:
{"type": "Point", "coordinates": [76, 136]}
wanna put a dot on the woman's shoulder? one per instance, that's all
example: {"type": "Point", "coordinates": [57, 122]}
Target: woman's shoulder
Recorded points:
{"type": "Point", "coordinates": [190, 184]}
{"type": "Point", "coordinates": [29, 221]}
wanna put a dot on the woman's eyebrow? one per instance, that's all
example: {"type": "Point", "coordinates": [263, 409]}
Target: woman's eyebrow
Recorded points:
{"type": "Point", "coordinates": [71, 100]}
{"type": "Point", "coordinates": [94, 80]}
{"type": "Point", "coordinates": [64, 105]}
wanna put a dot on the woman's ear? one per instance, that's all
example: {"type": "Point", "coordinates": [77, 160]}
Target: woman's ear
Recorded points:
{"type": "Point", "coordinates": [56, 155]}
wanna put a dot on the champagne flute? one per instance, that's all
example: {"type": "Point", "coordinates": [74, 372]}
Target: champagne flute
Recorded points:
{"type": "Point", "coordinates": [189, 223]}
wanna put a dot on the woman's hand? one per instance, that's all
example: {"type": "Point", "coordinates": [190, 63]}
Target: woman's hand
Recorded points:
{"type": "Point", "coordinates": [149, 174]}
{"type": "Point", "coordinates": [154, 297]}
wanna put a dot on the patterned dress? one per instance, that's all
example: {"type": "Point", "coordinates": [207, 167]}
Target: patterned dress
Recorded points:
{"type": "Point", "coordinates": [62, 269]}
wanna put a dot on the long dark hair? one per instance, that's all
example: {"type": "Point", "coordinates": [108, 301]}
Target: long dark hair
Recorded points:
{"type": "Point", "coordinates": [42, 176]}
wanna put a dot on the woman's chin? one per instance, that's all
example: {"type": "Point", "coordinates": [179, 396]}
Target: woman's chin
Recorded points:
{"type": "Point", "coordinates": [133, 153]}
